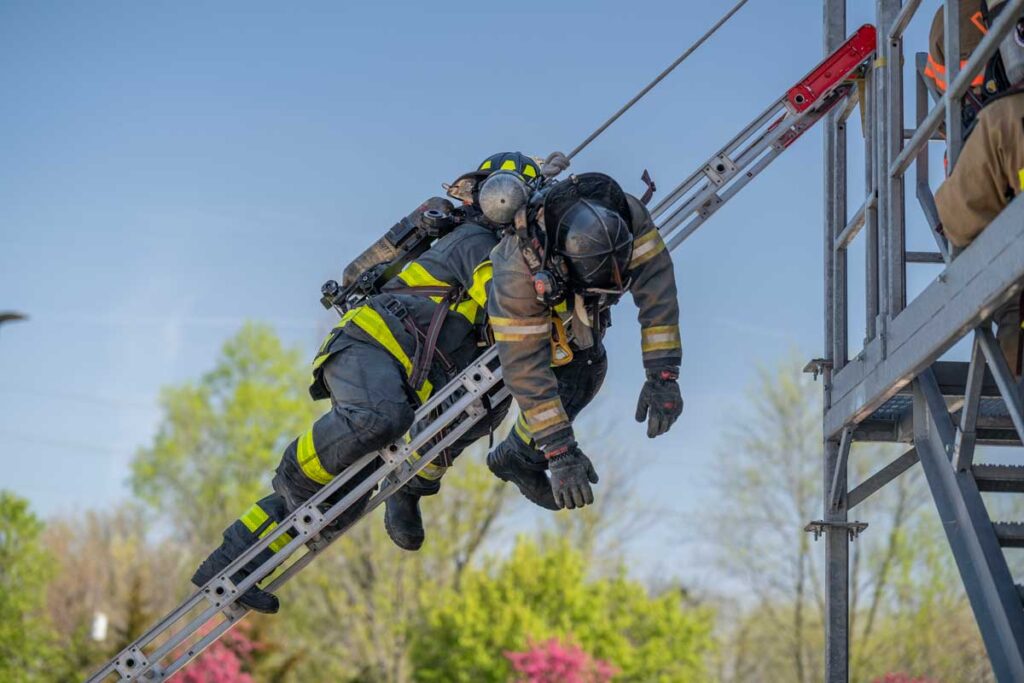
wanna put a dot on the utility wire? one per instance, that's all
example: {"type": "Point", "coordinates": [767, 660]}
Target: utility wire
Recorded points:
{"type": "Point", "coordinates": [660, 77]}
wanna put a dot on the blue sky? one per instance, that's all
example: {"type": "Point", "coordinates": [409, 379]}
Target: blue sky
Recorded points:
{"type": "Point", "coordinates": [169, 170]}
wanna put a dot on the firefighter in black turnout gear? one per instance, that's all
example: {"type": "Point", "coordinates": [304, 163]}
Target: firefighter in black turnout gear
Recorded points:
{"type": "Point", "coordinates": [574, 251]}
{"type": "Point", "coordinates": [381, 362]}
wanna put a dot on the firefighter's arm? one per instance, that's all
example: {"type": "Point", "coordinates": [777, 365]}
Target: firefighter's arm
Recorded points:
{"type": "Point", "coordinates": [653, 287]}
{"type": "Point", "coordinates": [473, 265]}
{"type": "Point", "coordinates": [522, 332]}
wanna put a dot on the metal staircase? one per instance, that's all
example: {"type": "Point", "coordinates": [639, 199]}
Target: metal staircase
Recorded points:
{"type": "Point", "coordinates": [896, 389]}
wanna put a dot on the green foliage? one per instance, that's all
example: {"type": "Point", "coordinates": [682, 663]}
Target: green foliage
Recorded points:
{"type": "Point", "coordinates": [535, 595]}
{"type": "Point", "coordinates": [222, 437]}
{"type": "Point", "coordinates": [25, 637]}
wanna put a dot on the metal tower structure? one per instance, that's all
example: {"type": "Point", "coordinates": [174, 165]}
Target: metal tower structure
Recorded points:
{"type": "Point", "coordinates": [896, 389]}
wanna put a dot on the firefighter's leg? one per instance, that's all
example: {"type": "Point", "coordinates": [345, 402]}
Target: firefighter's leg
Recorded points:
{"type": "Point", "coordinates": [1008, 333]}
{"type": "Point", "coordinates": [402, 517]}
{"type": "Point", "coordinates": [517, 459]}
{"type": "Point", "coordinates": [369, 409]}
{"type": "Point", "coordinates": [258, 521]}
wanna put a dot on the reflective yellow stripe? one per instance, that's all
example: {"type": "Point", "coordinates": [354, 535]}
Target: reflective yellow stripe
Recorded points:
{"type": "Point", "coordinates": [646, 247]}
{"type": "Point", "coordinates": [522, 431]}
{"type": "Point", "coordinates": [482, 274]}
{"type": "Point", "coordinates": [309, 461]}
{"type": "Point", "coordinates": [416, 275]}
{"type": "Point", "coordinates": [562, 307]}
{"type": "Point", "coordinates": [660, 338]}
{"type": "Point", "coordinates": [281, 541]}
{"type": "Point", "coordinates": [529, 171]}
{"type": "Point", "coordinates": [371, 322]}
{"type": "Point", "coordinates": [486, 165]}
{"type": "Point", "coordinates": [509, 165]}
{"type": "Point", "coordinates": [255, 517]}
{"type": "Point", "coordinates": [519, 329]}
{"type": "Point", "coordinates": [1021, 172]}
{"type": "Point", "coordinates": [545, 415]}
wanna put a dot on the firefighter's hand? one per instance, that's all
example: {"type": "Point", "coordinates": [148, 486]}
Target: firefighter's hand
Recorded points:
{"type": "Point", "coordinates": [660, 402]}
{"type": "Point", "coordinates": [571, 476]}
{"type": "Point", "coordinates": [554, 164]}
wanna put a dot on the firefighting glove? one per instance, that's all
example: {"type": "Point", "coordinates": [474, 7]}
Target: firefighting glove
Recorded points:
{"type": "Point", "coordinates": [660, 401]}
{"type": "Point", "coordinates": [571, 476]}
{"type": "Point", "coordinates": [554, 164]}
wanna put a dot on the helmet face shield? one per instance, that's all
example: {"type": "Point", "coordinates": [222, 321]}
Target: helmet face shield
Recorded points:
{"type": "Point", "coordinates": [501, 195]}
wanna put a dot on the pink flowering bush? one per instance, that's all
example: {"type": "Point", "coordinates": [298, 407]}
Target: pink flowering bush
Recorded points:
{"type": "Point", "coordinates": [223, 661]}
{"type": "Point", "coordinates": [902, 678]}
{"type": "Point", "coordinates": [553, 662]}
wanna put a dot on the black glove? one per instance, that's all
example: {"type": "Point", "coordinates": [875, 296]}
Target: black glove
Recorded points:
{"type": "Point", "coordinates": [660, 401]}
{"type": "Point", "coordinates": [554, 164]}
{"type": "Point", "coordinates": [571, 476]}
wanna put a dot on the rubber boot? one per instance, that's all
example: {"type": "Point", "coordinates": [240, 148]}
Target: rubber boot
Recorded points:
{"type": "Point", "coordinates": [255, 598]}
{"type": "Point", "coordinates": [508, 464]}
{"type": "Point", "coordinates": [402, 518]}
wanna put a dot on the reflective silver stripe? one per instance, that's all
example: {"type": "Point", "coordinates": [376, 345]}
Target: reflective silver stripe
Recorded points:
{"type": "Point", "coordinates": [541, 330]}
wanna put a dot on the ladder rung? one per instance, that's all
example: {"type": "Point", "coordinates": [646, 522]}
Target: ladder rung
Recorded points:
{"type": "Point", "coordinates": [1010, 534]}
{"type": "Point", "coordinates": [999, 478]}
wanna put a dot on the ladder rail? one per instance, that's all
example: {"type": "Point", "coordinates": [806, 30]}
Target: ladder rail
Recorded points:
{"type": "Point", "coordinates": [761, 142]}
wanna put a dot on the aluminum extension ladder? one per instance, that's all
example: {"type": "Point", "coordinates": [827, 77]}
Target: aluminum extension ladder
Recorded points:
{"type": "Point", "coordinates": [201, 619]}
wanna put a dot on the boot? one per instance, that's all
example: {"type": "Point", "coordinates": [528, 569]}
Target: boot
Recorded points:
{"type": "Point", "coordinates": [255, 598]}
{"type": "Point", "coordinates": [509, 465]}
{"type": "Point", "coordinates": [402, 518]}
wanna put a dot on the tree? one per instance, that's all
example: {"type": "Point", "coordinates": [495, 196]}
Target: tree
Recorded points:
{"type": "Point", "coordinates": [25, 637]}
{"type": "Point", "coordinates": [902, 576]}
{"type": "Point", "coordinates": [222, 437]}
{"type": "Point", "coordinates": [107, 563]}
{"type": "Point", "coordinates": [536, 594]}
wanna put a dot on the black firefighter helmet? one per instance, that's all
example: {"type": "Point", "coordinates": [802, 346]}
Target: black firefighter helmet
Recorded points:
{"type": "Point", "coordinates": [588, 221]}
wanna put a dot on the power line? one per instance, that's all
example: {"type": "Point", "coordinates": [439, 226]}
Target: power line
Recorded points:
{"type": "Point", "coordinates": [658, 79]}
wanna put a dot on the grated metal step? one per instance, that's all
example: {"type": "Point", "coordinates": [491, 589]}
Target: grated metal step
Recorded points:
{"type": "Point", "coordinates": [999, 478]}
{"type": "Point", "coordinates": [1010, 534]}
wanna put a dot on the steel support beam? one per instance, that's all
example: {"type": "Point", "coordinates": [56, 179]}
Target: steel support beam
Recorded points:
{"type": "Point", "coordinates": [972, 538]}
{"type": "Point", "coordinates": [876, 481]}
{"type": "Point", "coordinates": [966, 435]}
{"type": "Point", "coordinates": [969, 290]}
{"type": "Point", "coordinates": [837, 539]}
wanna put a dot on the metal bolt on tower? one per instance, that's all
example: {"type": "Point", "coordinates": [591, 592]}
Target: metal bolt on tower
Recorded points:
{"type": "Point", "coordinates": [896, 389]}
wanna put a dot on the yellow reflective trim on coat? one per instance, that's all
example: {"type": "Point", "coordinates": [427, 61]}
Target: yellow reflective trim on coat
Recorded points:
{"type": "Point", "coordinates": [416, 275]}
{"type": "Point", "coordinates": [545, 415]}
{"type": "Point", "coordinates": [646, 247]}
{"type": "Point", "coordinates": [660, 338]}
{"type": "Point", "coordinates": [518, 329]}
{"type": "Point", "coordinates": [482, 274]}
{"type": "Point", "coordinates": [1021, 174]}
{"type": "Point", "coordinates": [309, 461]}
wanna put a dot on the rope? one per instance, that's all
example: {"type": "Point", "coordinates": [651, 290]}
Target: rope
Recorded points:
{"type": "Point", "coordinates": [658, 79]}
